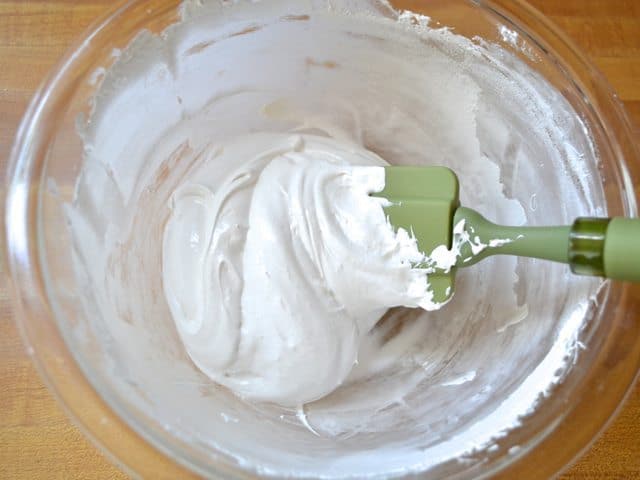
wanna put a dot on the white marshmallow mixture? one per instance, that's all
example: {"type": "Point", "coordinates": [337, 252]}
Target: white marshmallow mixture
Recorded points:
{"type": "Point", "coordinates": [275, 276]}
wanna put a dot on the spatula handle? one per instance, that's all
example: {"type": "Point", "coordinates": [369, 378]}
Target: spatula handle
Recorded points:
{"type": "Point", "coordinates": [622, 249]}
{"type": "Point", "coordinates": [607, 247]}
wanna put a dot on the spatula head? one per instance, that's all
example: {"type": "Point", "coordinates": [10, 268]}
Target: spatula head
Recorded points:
{"type": "Point", "coordinates": [423, 201]}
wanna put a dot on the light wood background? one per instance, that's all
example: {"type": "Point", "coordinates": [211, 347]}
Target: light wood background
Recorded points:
{"type": "Point", "coordinates": [37, 441]}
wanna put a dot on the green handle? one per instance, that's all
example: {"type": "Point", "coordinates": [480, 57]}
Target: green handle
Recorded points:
{"type": "Point", "coordinates": [591, 246]}
{"type": "Point", "coordinates": [622, 249]}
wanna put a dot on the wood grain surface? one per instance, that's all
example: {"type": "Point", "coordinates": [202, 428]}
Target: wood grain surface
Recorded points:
{"type": "Point", "coordinates": [37, 441]}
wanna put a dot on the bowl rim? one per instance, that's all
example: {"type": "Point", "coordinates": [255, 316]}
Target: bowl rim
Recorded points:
{"type": "Point", "coordinates": [104, 423]}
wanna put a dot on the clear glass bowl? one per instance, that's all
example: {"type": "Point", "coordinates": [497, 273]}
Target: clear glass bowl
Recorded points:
{"type": "Point", "coordinates": [48, 147]}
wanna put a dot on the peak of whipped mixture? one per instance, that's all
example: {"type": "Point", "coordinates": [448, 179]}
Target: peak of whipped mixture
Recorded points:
{"type": "Point", "coordinates": [276, 273]}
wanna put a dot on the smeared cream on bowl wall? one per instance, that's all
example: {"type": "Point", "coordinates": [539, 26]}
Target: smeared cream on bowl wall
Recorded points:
{"type": "Point", "coordinates": [182, 116]}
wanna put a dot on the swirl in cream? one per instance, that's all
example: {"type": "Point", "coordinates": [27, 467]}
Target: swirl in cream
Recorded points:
{"type": "Point", "coordinates": [275, 275]}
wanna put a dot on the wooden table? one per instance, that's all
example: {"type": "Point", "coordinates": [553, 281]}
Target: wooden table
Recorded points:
{"type": "Point", "coordinates": [36, 439]}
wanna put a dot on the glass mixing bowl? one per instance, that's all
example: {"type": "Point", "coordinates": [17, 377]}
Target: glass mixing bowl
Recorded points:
{"type": "Point", "coordinates": [46, 161]}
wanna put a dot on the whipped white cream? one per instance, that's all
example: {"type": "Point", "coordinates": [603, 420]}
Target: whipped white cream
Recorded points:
{"type": "Point", "coordinates": [275, 275]}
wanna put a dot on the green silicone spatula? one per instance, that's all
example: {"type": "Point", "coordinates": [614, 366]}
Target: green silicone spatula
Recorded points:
{"type": "Point", "coordinates": [425, 201]}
